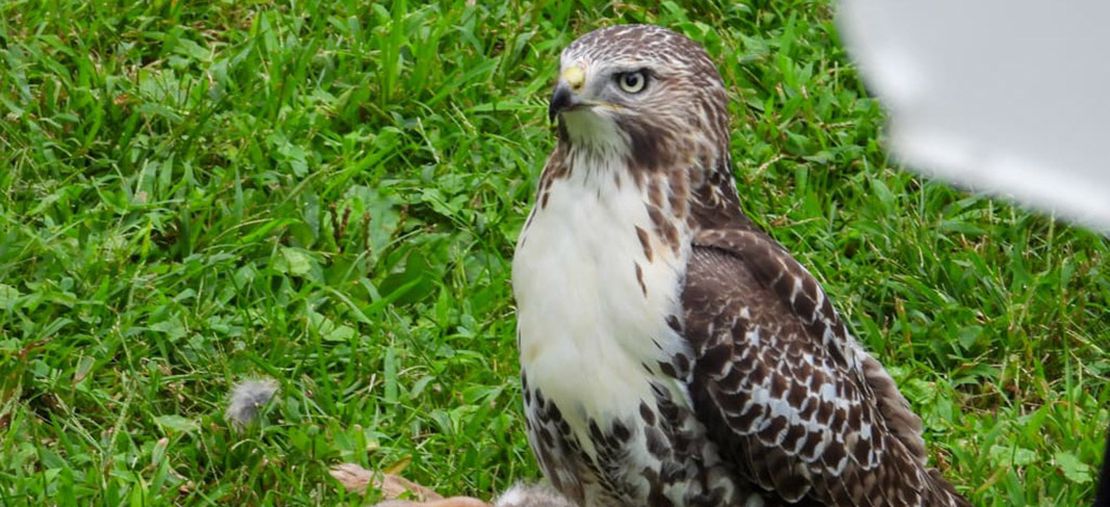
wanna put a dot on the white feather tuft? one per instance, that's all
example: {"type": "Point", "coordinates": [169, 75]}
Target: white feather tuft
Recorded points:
{"type": "Point", "coordinates": [247, 397]}
{"type": "Point", "coordinates": [531, 495]}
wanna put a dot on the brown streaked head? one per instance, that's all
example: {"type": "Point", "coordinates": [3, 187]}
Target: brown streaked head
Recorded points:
{"type": "Point", "coordinates": [641, 88]}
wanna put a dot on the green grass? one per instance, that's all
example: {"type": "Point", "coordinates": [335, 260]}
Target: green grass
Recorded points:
{"type": "Point", "coordinates": [328, 192]}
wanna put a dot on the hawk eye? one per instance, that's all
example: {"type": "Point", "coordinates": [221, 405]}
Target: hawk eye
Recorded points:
{"type": "Point", "coordinates": [632, 82]}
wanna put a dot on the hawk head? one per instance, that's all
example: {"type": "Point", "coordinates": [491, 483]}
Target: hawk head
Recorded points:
{"type": "Point", "coordinates": [644, 92]}
{"type": "Point", "coordinates": [649, 104]}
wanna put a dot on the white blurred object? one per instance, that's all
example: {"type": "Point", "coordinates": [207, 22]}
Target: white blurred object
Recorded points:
{"type": "Point", "coordinates": [1006, 97]}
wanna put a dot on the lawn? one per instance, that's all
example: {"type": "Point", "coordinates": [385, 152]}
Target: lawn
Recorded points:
{"type": "Point", "coordinates": [327, 193]}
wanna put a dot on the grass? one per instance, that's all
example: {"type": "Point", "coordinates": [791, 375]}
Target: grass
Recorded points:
{"type": "Point", "coordinates": [327, 193]}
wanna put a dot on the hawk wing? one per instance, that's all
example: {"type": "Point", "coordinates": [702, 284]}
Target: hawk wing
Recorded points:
{"type": "Point", "coordinates": [786, 393]}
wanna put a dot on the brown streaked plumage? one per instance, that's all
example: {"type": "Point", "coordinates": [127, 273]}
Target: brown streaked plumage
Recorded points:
{"type": "Point", "coordinates": [717, 371]}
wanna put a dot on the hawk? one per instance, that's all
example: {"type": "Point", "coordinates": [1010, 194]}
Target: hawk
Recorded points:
{"type": "Point", "coordinates": [672, 353]}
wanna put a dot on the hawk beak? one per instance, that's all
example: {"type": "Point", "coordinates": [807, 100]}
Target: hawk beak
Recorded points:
{"type": "Point", "coordinates": [571, 81]}
{"type": "Point", "coordinates": [562, 100]}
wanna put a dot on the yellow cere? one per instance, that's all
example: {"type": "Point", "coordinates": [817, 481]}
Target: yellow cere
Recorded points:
{"type": "Point", "coordinates": [574, 76]}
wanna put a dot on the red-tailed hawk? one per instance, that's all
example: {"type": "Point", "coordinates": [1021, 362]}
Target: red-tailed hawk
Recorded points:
{"type": "Point", "coordinates": [672, 353]}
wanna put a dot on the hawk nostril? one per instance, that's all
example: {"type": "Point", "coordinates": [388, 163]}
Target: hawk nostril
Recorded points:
{"type": "Point", "coordinates": [574, 76]}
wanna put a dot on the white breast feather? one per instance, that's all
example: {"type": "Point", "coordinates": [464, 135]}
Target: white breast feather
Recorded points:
{"type": "Point", "coordinates": [586, 327]}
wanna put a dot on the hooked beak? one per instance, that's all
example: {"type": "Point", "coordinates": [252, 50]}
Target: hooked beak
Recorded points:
{"type": "Point", "coordinates": [566, 96]}
{"type": "Point", "coordinates": [562, 100]}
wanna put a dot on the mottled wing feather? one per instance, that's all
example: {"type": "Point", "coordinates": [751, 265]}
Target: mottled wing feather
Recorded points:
{"type": "Point", "coordinates": [784, 390]}
{"type": "Point", "coordinates": [777, 270]}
